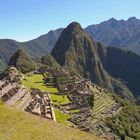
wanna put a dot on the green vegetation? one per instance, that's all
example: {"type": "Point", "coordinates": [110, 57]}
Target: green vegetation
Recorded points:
{"type": "Point", "coordinates": [75, 110]}
{"type": "Point", "coordinates": [36, 81]}
{"type": "Point", "coordinates": [2, 65]}
{"type": "Point", "coordinates": [63, 79]}
{"type": "Point", "coordinates": [59, 99]}
{"type": "Point", "coordinates": [50, 62]}
{"type": "Point", "coordinates": [127, 122]}
{"type": "Point", "coordinates": [101, 102]}
{"type": "Point", "coordinates": [122, 90]}
{"type": "Point", "coordinates": [17, 102]}
{"type": "Point", "coordinates": [18, 125]}
{"type": "Point", "coordinates": [22, 61]}
{"type": "Point", "coordinates": [77, 58]}
{"type": "Point", "coordinates": [61, 117]}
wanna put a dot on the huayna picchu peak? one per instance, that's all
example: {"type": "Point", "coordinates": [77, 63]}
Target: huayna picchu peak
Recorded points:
{"type": "Point", "coordinates": [76, 51]}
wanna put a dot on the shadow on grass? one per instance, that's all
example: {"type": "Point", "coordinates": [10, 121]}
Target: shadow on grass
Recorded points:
{"type": "Point", "coordinates": [38, 82]}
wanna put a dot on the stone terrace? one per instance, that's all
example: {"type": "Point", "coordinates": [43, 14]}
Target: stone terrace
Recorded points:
{"type": "Point", "coordinates": [40, 104]}
{"type": "Point", "coordinates": [16, 95]}
{"type": "Point", "coordinates": [89, 104]}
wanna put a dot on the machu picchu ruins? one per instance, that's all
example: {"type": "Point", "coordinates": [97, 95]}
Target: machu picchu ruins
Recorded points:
{"type": "Point", "coordinates": [87, 104]}
{"type": "Point", "coordinates": [18, 96]}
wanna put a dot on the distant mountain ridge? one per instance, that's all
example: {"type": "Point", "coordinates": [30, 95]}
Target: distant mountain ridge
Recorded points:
{"type": "Point", "coordinates": [118, 33]}
{"type": "Point", "coordinates": [35, 48]}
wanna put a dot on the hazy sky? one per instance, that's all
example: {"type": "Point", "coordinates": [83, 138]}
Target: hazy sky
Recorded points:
{"type": "Point", "coordinates": [27, 19]}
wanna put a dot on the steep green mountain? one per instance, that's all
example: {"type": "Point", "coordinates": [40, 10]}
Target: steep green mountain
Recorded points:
{"type": "Point", "coordinates": [7, 48]}
{"type": "Point", "coordinates": [21, 61]}
{"type": "Point", "coordinates": [121, 64]}
{"type": "Point", "coordinates": [36, 48]}
{"type": "Point", "coordinates": [3, 65]}
{"type": "Point", "coordinates": [76, 51]}
{"type": "Point", "coordinates": [118, 33]}
{"type": "Point", "coordinates": [49, 62]}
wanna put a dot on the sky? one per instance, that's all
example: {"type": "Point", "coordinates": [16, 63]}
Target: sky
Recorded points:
{"type": "Point", "coordinates": [23, 20]}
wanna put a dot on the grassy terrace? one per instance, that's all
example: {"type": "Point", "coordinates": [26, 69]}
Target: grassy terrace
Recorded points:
{"type": "Point", "coordinates": [59, 99]}
{"type": "Point", "coordinates": [18, 125]}
{"type": "Point", "coordinates": [62, 118]}
{"type": "Point", "coordinates": [36, 81]}
{"type": "Point", "coordinates": [101, 103]}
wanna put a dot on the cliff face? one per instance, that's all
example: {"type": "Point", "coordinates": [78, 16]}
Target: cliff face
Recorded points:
{"type": "Point", "coordinates": [121, 64]}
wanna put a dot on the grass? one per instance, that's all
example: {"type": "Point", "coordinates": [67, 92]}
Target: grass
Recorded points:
{"type": "Point", "coordinates": [127, 122]}
{"type": "Point", "coordinates": [59, 99]}
{"type": "Point", "coordinates": [36, 81]}
{"type": "Point", "coordinates": [75, 111]}
{"type": "Point", "coordinates": [62, 118]}
{"type": "Point", "coordinates": [18, 125]}
{"type": "Point", "coordinates": [63, 79]}
{"type": "Point", "coordinates": [17, 102]}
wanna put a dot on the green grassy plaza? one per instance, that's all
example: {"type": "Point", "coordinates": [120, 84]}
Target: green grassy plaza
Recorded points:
{"type": "Point", "coordinates": [36, 81]}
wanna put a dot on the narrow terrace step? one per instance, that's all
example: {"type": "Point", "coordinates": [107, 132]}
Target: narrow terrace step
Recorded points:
{"type": "Point", "coordinates": [16, 97]}
{"type": "Point", "coordinates": [24, 101]}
